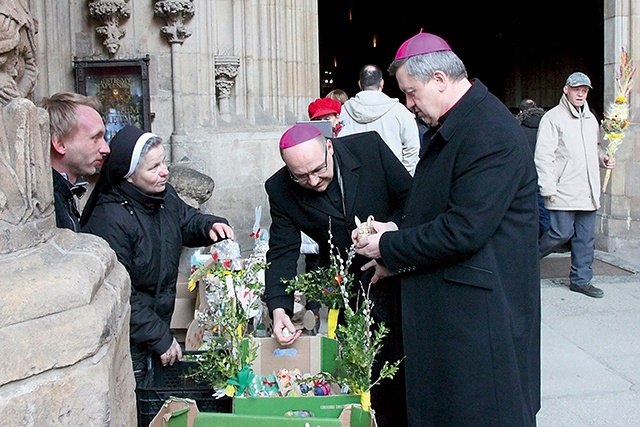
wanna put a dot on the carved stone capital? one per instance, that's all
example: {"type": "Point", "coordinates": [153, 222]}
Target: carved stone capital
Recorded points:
{"type": "Point", "coordinates": [175, 13]}
{"type": "Point", "coordinates": [110, 12]}
{"type": "Point", "coordinates": [226, 73]}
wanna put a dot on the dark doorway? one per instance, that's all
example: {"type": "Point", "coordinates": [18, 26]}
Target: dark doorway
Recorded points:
{"type": "Point", "coordinates": [518, 49]}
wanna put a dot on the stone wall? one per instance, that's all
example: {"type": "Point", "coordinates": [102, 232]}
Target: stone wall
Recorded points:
{"type": "Point", "coordinates": [230, 137]}
{"type": "Point", "coordinates": [619, 222]}
{"type": "Point", "coordinates": [64, 326]}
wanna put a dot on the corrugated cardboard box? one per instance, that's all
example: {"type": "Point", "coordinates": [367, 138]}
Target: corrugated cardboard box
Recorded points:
{"type": "Point", "coordinates": [176, 412]}
{"type": "Point", "coordinates": [183, 313]}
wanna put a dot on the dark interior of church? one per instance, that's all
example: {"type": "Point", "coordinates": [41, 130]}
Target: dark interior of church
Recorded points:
{"type": "Point", "coordinates": [518, 49]}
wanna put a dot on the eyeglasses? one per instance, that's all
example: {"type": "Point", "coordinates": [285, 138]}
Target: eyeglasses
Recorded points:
{"type": "Point", "coordinates": [301, 179]}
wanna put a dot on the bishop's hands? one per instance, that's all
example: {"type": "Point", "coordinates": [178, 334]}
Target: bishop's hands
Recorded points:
{"type": "Point", "coordinates": [283, 329]}
{"type": "Point", "coordinates": [369, 246]}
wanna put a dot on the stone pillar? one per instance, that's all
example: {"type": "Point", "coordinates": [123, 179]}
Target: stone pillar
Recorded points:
{"type": "Point", "coordinates": [64, 311]}
{"type": "Point", "coordinates": [175, 13]}
{"type": "Point", "coordinates": [619, 220]}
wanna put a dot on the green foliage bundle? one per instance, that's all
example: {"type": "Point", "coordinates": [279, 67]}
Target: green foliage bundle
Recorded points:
{"type": "Point", "coordinates": [359, 344]}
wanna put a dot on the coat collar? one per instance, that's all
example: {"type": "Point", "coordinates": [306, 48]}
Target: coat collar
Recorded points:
{"type": "Point", "coordinates": [148, 202]}
{"type": "Point", "coordinates": [586, 112]}
{"type": "Point", "coordinates": [455, 117]}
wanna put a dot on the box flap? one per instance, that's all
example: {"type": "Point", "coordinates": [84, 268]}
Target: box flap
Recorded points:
{"type": "Point", "coordinates": [183, 412]}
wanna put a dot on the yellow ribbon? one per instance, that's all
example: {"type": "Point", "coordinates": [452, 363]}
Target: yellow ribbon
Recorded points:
{"type": "Point", "coordinates": [365, 401]}
{"type": "Point", "coordinates": [332, 322]}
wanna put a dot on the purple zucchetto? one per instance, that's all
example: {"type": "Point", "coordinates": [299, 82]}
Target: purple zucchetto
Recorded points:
{"type": "Point", "coordinates": [420, 44]}
{"type": "Point", "coordinates": [297, 134]}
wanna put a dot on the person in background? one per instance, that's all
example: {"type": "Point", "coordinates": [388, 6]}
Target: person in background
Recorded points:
{"type": "Point", "coordinates": [328, 182]}
{"type": "Point", "coordinates": [465, 251]}
{"type": "Point", "coordinates": [326, 109]}
{"type": "Point", "coordinates": [339, 95]}
{"type": "Point", "coordinates": [568, 157]}
{"type": "Point", "coordinates": [78, 149]}
{"type": "Point", "coordinates": [529, 117]}
{"type": "Point", "coordinates": [372, 109]}
{"type": "Point", "coordinates": [145, 222]}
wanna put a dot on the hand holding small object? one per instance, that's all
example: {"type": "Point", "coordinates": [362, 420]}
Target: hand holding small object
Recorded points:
{"type": "Point", "coordinates": [283, 329]}
{"type": "Point", "coordinates": [221, 231]}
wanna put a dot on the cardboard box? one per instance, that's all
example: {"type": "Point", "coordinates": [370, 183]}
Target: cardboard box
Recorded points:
{"type": "Point", "coordinates": [182, 288]}
{"type": "Point", "coordinates": [184, 413]}
{"type": "Point", "coordinates": [183, 313]}
{"type": "Point", "coordinates": [310, 354]}
{"type": "Point", "coordinates": [210, 419]}
{"type": "Point", "coordinates": [176, 412]}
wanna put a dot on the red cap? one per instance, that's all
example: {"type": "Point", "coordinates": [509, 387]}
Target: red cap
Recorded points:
{"type": "Point", "coordinates": [297, 134]}
{"type": "Point", "coordinates": [420, 44]}
{"type": "Point", "coordinates": [323, 106]}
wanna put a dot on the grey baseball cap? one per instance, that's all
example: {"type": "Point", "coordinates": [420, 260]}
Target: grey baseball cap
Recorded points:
{"type": "Point", "coordinates": [578, 79]}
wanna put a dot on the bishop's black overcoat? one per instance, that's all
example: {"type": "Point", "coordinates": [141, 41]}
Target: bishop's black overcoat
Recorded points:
{"type": "Point", "coordinates": [374, 182]}
{"type": "Point", "coordinates": [467, 254]}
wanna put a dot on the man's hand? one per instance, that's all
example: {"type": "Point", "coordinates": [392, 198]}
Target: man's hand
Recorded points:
{"type": "Point", "coordinates": [609, 162]}
{"type": "Point", "coordinates": [380, 273]}
{"type": "Point", "coordinates": [221, 231]}
{"type": "Point", "coordinates": [172, 354]}
{"type": "Point", "coordinates": [369, 245]}
{"type": "Point", "coordinates": [281, 321]}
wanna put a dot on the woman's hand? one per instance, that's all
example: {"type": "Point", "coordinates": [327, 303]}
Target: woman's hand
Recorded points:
{"type": "Point", "coordinates": [221, 231]}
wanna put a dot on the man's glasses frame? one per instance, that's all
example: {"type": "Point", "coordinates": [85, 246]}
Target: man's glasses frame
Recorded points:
{"type": "Point", "coordinates": [301, 179]}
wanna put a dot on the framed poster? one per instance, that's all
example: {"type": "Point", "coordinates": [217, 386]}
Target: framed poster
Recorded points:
{"type": "Point", "coordinates": [122, 86]}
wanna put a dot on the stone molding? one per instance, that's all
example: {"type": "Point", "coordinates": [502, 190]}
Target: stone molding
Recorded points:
{"type": "Point", "coordinates": [175, 13]}
{"type": "Point", "coordinates": [110, 12]}
{"type": "Point", "coordinates": [226, 73]}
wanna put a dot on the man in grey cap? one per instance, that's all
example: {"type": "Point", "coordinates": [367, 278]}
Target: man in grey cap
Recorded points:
{"type": "Point", "coordinates": [567, 157]}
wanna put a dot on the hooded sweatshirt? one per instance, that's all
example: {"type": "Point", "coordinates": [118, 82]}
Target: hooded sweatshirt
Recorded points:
{"type": "Point", "coordinates": [374, 110]}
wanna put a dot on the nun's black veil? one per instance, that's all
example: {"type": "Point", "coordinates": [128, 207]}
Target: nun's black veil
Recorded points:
{"type": "Point", "coordinates": [115, 166]}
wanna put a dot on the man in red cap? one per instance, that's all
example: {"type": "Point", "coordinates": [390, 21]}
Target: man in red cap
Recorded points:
{"type": "Point", "coordinates": [328, 182]}
{"type": "Point", "coordinates": [466, 251]}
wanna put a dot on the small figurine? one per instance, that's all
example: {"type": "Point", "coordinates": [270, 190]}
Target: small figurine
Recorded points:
{"type": "Point", "coordinates": [364, 228]}
{"type": "Point", "coordinates": [284, 382]}
{"type": "Point", "coordinates": [284, 377]}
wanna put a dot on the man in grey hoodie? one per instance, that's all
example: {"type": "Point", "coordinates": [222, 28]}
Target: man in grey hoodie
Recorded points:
{"type": "Point", "coordinates": [371, 109]}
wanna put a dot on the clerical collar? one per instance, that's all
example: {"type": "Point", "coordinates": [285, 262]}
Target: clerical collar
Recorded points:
{"type": "Point", "coordinates": [78, 189]}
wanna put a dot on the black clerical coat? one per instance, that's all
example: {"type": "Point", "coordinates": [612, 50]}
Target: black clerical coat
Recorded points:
{"type": "Point", "coordinates": [467, 253]}
{"type": "Point", "coordinates": [374, 182]}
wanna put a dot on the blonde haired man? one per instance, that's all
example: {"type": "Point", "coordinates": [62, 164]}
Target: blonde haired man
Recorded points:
{"type": "Point", "coordinates": [77, 150]}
